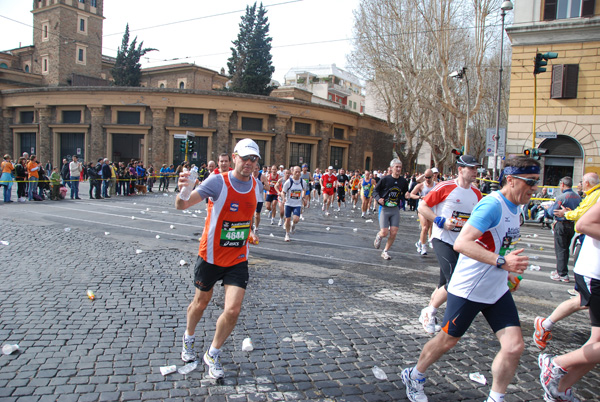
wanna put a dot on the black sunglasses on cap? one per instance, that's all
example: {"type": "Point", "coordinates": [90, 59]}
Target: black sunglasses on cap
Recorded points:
{"type": "Point", "coordinates": [529, 182]}
{"type": "Point", "coordinates": [251, 158]}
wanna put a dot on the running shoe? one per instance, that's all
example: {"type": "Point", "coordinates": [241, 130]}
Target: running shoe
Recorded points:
{"type": "Point", "coordinates": [556, 277]}
{"type": "Point", "coordinates": [418, 246]}
{"type": "Point", "coordinates": [572, 292]}
{"type": "Point", "coordinates": [385, 255]}
{"type": "Point", "coordinates": [423, 250]}
{"type": "Point", "coordinates": [377, 242]}
{"type": "Point", "coordinates": [280, 222]}
{"type": "Point", "coordinates": [541, 336]}
{"type": "Point", "coordinates": [272, 221]}
{"type": "Point", "coordinates": [215, 370]}
{"type": "Point", "coordinates": [430, 244]}
{"type": "Point", "coordinates": [414, 388]}
{"type": "Point", "coordinates": [327, 213]}
{"type": "Point", "coordinates": [566, 396]}
{"type": "Point", "coordinates": [550, 375]}
{"type": "Point", "coordinates": [188, 353]}
{"type": "Point", "coordinates": [287, 237]}
{"type": "Point", "coordinates": [429, 322]}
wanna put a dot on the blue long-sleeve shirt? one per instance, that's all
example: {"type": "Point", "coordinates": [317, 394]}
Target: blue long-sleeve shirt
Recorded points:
{"type": "Point", "coordinates": [568, 199]}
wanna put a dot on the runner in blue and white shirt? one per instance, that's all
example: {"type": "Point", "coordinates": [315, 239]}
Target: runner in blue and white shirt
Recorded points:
{"type": "Point", "coordinates": [293, 190]}
{"type": "Point", "coordinates": [479, 283]}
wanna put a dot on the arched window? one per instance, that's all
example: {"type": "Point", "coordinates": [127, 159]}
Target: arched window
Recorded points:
{"type": "Point", "coordinates": [3, 65]}
{"type": "Point", "coordinates": [26, 69]}
{"type": "Point", "coordinates": [182, 85]}
{"type": "Point", "coordinates": [161, 86]}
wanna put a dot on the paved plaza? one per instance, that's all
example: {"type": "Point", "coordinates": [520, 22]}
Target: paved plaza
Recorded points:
{"type": "Point", "coordinates": [322, 310]}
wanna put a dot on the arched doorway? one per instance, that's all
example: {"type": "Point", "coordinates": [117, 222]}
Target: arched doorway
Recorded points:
{"type": "Point", "coordinates": [563, 156]}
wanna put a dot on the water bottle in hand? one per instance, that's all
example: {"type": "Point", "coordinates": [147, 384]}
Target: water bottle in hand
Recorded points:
{"type": "Point", "coordinates": [186, 191]}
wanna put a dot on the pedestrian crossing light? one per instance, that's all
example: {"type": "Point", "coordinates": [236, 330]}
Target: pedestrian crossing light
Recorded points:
{"type": "Point", "coordinates": [527, 152]}
{"type": "Point", "coordinates": [541, 61]}
{"type": "Point", "coordinates": [458, 152]}
{"type": "Point", "coordinates": [182, 145]}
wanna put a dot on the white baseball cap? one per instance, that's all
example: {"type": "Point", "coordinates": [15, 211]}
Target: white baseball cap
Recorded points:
{"type": "Point", "coordinates": [330, 168]}
{"type": "Point", "coordinates": [434, 170]}
{"type": "Point", "coordinates": [246, 147]}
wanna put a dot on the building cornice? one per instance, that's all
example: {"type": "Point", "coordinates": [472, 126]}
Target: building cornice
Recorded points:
{"type": "Point", "coordinates": [571, 30]}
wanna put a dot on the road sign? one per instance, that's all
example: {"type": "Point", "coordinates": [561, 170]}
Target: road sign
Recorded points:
{"type": "Point", "coordinates": [549, 134]}
{"type": "Point", "coordinates": [490, 142]}
{"type": "Point", "coordinates": [190, 134]}
{"type": "Point", "coordinates": [180, 136]}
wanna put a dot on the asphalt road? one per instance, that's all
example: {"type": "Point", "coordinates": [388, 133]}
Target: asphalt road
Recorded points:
{"type": "Point", "coordinates": [322, 310]}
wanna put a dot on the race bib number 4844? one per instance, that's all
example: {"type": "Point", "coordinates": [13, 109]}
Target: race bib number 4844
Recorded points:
{"type": "Point", "coordinates": [234, 234]}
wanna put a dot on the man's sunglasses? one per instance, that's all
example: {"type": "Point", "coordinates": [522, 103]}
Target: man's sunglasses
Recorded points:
{"type": "Point", "coordinates": [529, 182]}
{"type": "Point", "coordinates": [251, 158]}
{"type": "Point", "coordinates": [428, 177]}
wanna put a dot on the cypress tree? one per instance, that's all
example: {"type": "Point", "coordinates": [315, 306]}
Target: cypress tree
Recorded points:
{"type": "Point", "coordinates": [127, 71]}
{"type": "Point", "coordinates": [250, 66]}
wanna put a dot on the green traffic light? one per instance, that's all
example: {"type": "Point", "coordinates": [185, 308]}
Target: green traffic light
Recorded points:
{"type": "Point", "coordinates": [549, 55]}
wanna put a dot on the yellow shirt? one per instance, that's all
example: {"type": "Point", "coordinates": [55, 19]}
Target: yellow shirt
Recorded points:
{"type": "Point", "coordinates": [590, 199]}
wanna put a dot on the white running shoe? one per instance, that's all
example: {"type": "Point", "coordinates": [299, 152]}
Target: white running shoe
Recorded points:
{"type": "Point", "coordinates": [188, 353]}
{"type": "Point", "coordinates": [377, 242]}
{"type": "Point", "coordinates": [385, 255]}
{"type": "Point", "coordinates": [287, 237]}
{"type": "Point", "coordinates": [429, 322]}
{"type": "Point", "coordinates": [215, 370]}
{"type": "Point", "coordinates": [414, 388]}
{"type": "Point", "coordinates": [418, 246]}
{"type": "Point", "coordinates": [280, 222]}
{"type": "Point", "coordinates": [272, 221]}
{"type": "Point", "coordinates": [423, 250]}
{"type": "Point", "coordinates": [430, 244]}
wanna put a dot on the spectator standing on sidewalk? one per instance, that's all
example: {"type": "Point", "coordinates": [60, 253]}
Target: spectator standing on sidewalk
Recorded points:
{"type": "Point", "coordinates": [564, 229]}
{"type": "Point", "coordinates": [75, 170]}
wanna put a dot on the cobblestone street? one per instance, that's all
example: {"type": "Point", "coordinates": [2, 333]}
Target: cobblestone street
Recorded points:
{"type": "Point", "coordinates": [318, 329]}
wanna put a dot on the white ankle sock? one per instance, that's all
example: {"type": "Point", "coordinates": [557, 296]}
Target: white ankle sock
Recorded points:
{"type": "Point", "coordinates": [547, 324]}
{"type": "Point", "coordinates": [432, 310]}
{"type": "Point", "coordinates": [495, 397]}
{"type": "Point", "coordinates": [214, 352]}
{"type": "Point", "coordinates": [416, 374]}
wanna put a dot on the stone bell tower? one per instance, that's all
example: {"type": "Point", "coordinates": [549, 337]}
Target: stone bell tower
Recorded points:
{"type": "Point", "coordinates": [67, 35]}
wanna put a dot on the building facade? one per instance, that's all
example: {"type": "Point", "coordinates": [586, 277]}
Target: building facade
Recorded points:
{"type": "Point", "coordinates": [141, 123]}
{"type": "Point", "coordinates": [56, 102]}
{"type": "Point", "coordinates": [567, 114]}
{"type": "Point", "coordinates": [329, 82]}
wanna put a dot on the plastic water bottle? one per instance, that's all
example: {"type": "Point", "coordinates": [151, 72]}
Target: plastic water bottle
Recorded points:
{"type": "Point", "coordinates": [247, 345]}
{"type": "Point", "coordinates": [513, 284]}
{"type": "Point", "coordinates": [186, 191]}
{"type": "Point", "coordinates": [90, 294]}
{"type": "Point", "coordinates": [8, 349]}
{"type": "Point", "coordinates": [188, 368]}
{"type": "Point", "coordinates": [379, 373]}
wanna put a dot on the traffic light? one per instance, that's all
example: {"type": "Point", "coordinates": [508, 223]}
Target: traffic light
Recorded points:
{"type": "Point", "coordinates": [535, 153]}
{"type": "Point", "coordinates": [190, 146]}
{"type": "Point", "coordinates": [458, 152]}
{"type": "Point", "coordinates": [182, 145]}
{"type": "Point", "coordinates": [541, 60]}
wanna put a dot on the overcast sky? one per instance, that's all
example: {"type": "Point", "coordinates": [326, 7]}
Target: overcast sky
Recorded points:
{"type": "Point", "coordinates": [304, 32]}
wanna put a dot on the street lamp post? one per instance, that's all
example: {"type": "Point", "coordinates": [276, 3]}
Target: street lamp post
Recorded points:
{"type": "Point", "coordinates": [459, 75]}
{"type": "Point", "coordinates": [506, 6]}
